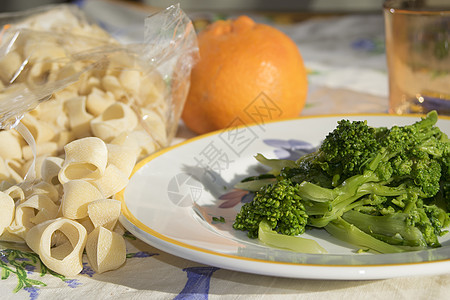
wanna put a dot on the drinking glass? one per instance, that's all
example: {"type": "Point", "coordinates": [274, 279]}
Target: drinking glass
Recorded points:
{"type": "Point", "coordinates": [418, 55]}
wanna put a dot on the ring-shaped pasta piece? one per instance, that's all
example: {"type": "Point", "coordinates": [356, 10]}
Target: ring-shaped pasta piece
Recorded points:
{"type": "Point", "coordinates": [43, 209]}
{"type": "Point", "coordinates": [79, 118]}
{"type": "Point", "coordinates": [50, 169]}
{"type": "Point", "coordinates": [152, 90]}
{"type": "Point", "coordinates": [16, 193]}
{"type": "Point", "coordinates": [87, 223]}
{"type": "Point", "coordinates": [112, 181]}
{"type": "Point", "coordinates": [77, 194]}
{"type": "Point", "coordinates": [104, 212]}
{"type": "Point", "coordinates": [42, 149]}
{"type": "Point", "coordinates": [66, 258]}
{"type": "Point", "coordinates": [6, 211]}
{"type": "Point", "coordinates": [98, 101]}
{"type": "Point", "coordinates": [86, 159]}
{"type": "Point", "coordinates": [105, 249]}
{"type": "Point", "coordinates": [115, 119]}
{"type": "Point", "coordinates": [88, 82]}
{"type": "Point", "coordinates": [154, 125]}
{"type": "Point", "coordinates": [44, 188]}
{"type": "Point", "coordinates": [123, 157]}
{"type": "Point", "coordinates": [51, 112]}
{"type": "Point", "coordinates": [9, 64]}
{"type": "Point", "coordinates": [41, 131]}
{"type": "Point", "coordinates": [37, 165]}
{"type": "Point", "coordinates": [130, 80]}
{"type": "Point", "coordinates": [10, 236]}
{"type": "Point", "coordinates": [39, 49]}
{"type": "Point", "coordinates": [145, 142]}
{"type": "Point", "coordinates": [4, 172]}
{"type": "Point", "coordinates": [64, 137]}
{"type": "Point", "coordinates": [10, 147]}
{"type": "Point", "coordinates": [34, 210]}
{"type": "Point", "coordinates": [111, 83]}
{"type": "Point", "coordinates": [14, 168]}
{"type": "Point", "coordinates": [43, 72]}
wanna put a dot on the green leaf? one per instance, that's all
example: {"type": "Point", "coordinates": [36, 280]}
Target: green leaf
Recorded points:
{"type": "Point", "coordinates": [19, 286]}
{"type": "Point", "coordinates": [5, 273]}
{"type": "Point", "coordinates": [35, 282]}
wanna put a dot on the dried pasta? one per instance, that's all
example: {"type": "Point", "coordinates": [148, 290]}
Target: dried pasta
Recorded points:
{"type": "Point", "coordinates": [104, 212]}
{"type": "Point", "coordinates": [105, 250]}
{"type": "Point", "coordinates": [115, 119]}
{"type": "Point", "coordinates": [16, 193]}
{"type": "Point", "coordinates": [98, 101]}
{"type": "Point", "coordinates": [50, 168]}
{"type": "Point", "coordinates": [77, 195]}
{"type": "Point", "coordinates": [41, 131]}
{"type": "Point", "coordinates": [4, 172]}
{"type": "Point", "coordinates": [79, 118]}
{"type": "Point", "coordinates": [86, 158]}
{"type": "Point", "coordinates": [87, 223]}
{"type": "Point", "coordinates": [123, 157]}
{"type": "Point", "coordinates": [112, 181]}
{"type": "Point", "coordinates": [44, 188]}
{"type": "Point", "coordinates": [10, 147]}
{"type": "Point", "coordinates": [9, 64]}
{"type": "Point", "coordinates": [6, 211]}
{"type": "Point", "coordinates": [89, 136]}
{"type": "Point", "coordinates": [66, 258]}
{"type": "Point", "coordinates": [36, 209]}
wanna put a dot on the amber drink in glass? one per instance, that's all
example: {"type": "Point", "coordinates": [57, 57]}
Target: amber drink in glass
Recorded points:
{"type": "Point", "coordinates": [418, 55]}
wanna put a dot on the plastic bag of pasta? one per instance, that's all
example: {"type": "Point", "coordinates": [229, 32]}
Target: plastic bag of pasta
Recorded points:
{"type": "Point", "coordinates": [65, 78]}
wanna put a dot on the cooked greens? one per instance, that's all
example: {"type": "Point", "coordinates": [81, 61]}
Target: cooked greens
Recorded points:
{"type": "Point", "coordinates": [387, 189]}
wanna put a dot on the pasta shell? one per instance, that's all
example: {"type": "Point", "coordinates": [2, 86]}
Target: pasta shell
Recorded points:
{"type": "Point", "coordinates": [6, 211]}
{"type": "Point", "coordinates": [106, 250]}
{"type": "Point", "coordinates": [77, 195]}
{"type": "Point", "coordinates": [104, 212]}
{"type": "Point", "coordinates": [86, 159]}
{"type": "Point", "coordinates": [65, 258]}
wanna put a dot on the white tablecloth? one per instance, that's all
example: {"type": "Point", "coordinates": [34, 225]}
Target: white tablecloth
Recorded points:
{"type": "Point", "coordinates": [345, 57]}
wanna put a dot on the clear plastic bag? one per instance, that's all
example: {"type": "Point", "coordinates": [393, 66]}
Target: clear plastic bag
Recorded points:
{"type": "Point", "coordinates": [63, 78]}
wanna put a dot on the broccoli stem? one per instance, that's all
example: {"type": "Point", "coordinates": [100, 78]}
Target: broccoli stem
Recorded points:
{"type": "Point", "coordinates": [276, 164]}
{"type": "Point", "coordinates": [293, 243]}
{"type": "Point", "coordinates": [351, 234]}
{"type": "Point", "coordinates": [394, 225]}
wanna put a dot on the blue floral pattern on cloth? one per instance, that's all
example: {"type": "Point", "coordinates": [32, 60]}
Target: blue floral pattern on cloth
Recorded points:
{"type": "Point", "coordinates": [32, 291]}
{"type": "Point", "coordinates": [87, 270]}
{"type": "Point", "coordinates": [24, 265]}
{"type": "Point", "coordinates": [369, 45]}
{"type": "Point", "coordinates": [141, 254]}
{"type": "Point", "coordinates": [284, 149]}
{"type": "Point", "coordinates": [197, 285]}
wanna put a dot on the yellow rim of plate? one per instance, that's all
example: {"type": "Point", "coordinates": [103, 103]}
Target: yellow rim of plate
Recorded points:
{"type": "Point", "coordinates": [133, 220]}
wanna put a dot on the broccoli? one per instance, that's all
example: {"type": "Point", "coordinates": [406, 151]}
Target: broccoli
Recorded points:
{"type": "Point", "coordinates": [393, 184]}
{"type": "Point", "coordinates": [279, 204]}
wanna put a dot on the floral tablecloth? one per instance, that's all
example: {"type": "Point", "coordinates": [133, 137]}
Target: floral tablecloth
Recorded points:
{"type": "Point", "coordinates": [347, 74]}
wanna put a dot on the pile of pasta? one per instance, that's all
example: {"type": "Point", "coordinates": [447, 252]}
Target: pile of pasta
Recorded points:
{"type": "Point", "coordinates": [88, 137]}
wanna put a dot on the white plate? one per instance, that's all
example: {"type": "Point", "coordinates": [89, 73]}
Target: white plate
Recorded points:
{"type": "Point", "coordinates": [173, 196]}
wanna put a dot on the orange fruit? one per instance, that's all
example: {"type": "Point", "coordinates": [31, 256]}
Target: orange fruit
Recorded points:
{"type": "Point", "coordinates": [247, 73]}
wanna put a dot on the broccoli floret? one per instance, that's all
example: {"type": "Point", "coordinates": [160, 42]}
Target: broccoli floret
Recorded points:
{"type": "Point", "coordinates": [278, 204]}
{"type": "Point", "coordinates": [426, 174]}
{"type": "Point", "coordinates": [346, 149]}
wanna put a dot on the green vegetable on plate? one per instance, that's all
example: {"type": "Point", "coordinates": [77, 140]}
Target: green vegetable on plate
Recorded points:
{"type": "Point", "coordinates": [385, 189]}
